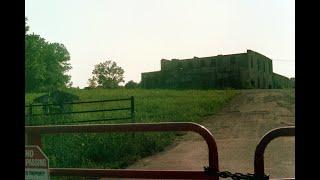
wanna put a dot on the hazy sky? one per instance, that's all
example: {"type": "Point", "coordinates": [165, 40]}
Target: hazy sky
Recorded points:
{"type": "Point", "coordinates": [138, 34]}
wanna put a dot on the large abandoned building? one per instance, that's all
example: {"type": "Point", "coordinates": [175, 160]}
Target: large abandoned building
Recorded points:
{"type": "Point", "coordinates": [239, 71]}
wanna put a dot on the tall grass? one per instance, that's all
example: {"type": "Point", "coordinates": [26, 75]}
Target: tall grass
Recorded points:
{"type": "Point", "coordinates": [118, 150]}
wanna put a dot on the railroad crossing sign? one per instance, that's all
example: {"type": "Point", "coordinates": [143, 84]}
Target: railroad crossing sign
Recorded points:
{"type": "Point", "coordinates": [36, 164]}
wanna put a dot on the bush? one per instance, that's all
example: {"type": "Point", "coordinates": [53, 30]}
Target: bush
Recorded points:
{"type": "Point", "coordinates": [131, 84]}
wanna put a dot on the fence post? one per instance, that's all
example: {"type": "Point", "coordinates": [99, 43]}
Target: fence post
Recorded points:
{"type": "Point", "coordinates": [132, 110]}
{"type": "Point", "coordinates": [30, 114]}
{"type": "Point", "coordinates": [33, 139]}
{"type": "Point", "coordinates": [132, 113]}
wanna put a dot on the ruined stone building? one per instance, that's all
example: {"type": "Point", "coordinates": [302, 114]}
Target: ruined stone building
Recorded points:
{"type": "Point", "coordinates": [240, 71]}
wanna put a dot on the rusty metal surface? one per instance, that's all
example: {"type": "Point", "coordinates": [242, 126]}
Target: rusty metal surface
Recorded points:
{"type": "Point", "coordinates": [129, 173]}
{"type": "Point", "coordinates": [150, 127]}
{"type": "Point", "coordinates": [266, 139]}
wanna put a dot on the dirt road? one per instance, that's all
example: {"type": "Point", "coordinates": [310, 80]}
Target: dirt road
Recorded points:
{"type": "Point", "coordinates": [237, 130]}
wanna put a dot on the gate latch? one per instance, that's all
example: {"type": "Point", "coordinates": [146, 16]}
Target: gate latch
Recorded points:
{"type": "Point", "coordinates": [235, 176]}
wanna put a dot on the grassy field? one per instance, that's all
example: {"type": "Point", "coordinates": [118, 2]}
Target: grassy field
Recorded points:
{"type": "Point", "coordinates": [118, 150]}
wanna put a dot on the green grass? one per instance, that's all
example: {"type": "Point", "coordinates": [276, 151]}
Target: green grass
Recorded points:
{"type": "Point", "coordinates": [118, 150]}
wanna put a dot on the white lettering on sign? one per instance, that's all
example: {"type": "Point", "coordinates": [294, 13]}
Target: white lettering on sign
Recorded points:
{"type": "Point", "coordinates": [36, 174]}
{"type": "Point", "coordinates": [36, 164]}
{"type": "Point", "coordinates": [29, 153]}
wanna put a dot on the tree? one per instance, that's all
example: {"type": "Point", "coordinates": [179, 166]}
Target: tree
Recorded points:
{"type": "Point", "coordinates": [106, 75]}
{"type": "Point", "coordinates": [57, 57]}
{"type": "Point", "coordinates": [26, 26]}
{"type": "Point", "coordinates": [92, 82]}
{"type": "Point", "coordinates": [69, 85]}
{"type": "Point", "coordinates": [46, 64]}
{"type": "Point", "coordinates": [131, 84]}
{"type": "Point", "coordinates": [35, 65]}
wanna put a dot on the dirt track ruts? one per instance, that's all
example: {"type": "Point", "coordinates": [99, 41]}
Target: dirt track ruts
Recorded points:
{"type": "Point", "coordinates": [237, 130]}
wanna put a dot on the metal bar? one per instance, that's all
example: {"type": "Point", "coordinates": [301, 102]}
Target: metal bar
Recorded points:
{"type": "Point", "coordinates": [29, 114]}
{"type": "Point", "coordinates": [137, 127]}
{"type": "Point", "coordinates": [90, 111]}
{"type": "Point", "coordinates": [266, 139]}
{"type": "Point", "coordinates": [129, 173]}
{"type": "Point", "coordinates": [95, 120]}
{"type": "Point", "coordinates": [83, 102]}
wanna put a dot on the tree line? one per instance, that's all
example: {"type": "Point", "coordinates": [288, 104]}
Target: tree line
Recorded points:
{"type": "Point", "coordinates": [47, 64]}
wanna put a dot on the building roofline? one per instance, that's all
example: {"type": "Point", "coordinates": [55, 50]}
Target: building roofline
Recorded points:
{"type": "Point", "coordinates": [281, 75]}
{"type": "Point", "coordinates": [150, 72]}
{"type": "Point", "coordinates": [174, 59]}
{"type": "Point", "coordinates": [248, 50]}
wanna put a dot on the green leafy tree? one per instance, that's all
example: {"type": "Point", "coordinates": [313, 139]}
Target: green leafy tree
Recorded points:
{"type": "Point", "coordinates": [107, 75]}
{"type": "Point", "coordinates": [131, 84]}
{"type": "Point", "coordinates": [35, 65]}
{"type": "Point", "coordinates": [46, 64]}
{"type": "Point", "coordinates": [69, 85]}
{"type": "Point", "coordinates": [92, 82]}
{"type": "Point", "coordinates": [57, 57]}
{"type": "Point", "coordinates": [26, 26]}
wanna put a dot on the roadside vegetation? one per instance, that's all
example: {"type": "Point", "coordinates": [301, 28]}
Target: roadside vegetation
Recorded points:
{"type": "Point", "coordinates": [118, 150]}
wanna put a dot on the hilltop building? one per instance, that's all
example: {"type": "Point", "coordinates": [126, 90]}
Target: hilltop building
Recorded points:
{"type": "Point", "coordinates": [239, 71]}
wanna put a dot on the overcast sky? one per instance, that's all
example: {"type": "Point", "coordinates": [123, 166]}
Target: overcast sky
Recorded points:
{"type": "Point", "coordinates": [138, 34]}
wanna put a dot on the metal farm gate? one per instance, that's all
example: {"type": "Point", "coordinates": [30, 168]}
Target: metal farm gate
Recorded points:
{"type": "Point", "coordinates": [212, 172]}
{"type": "Point", "coordinates": [34, 111]}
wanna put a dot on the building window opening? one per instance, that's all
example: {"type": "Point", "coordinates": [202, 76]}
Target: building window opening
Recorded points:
{"type": "Point", "coordinates": [232, 61]}
{"type": "Point", "coordinates": [202, 64]}
{"type": "Point", "coordinates": [253, 84]}
{"type": "Point", "coordinates": [251, 63]}
{"type": "Point", "coordinates": [270, 67]}
{"type": "Point", "coordinates": [180, 66]}
{"type": "Point", "coordinates": [213, 63]}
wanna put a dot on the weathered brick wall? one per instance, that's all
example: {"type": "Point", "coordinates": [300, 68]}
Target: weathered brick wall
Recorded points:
{"type": "Point", "coordinates": [281, 82]}
{"type": "Point", "coordinates": [260, 70]}
{"type": "Point", "coordinates": [240, 71]}
{"type": "Point", "coordinates": [292, 82]}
